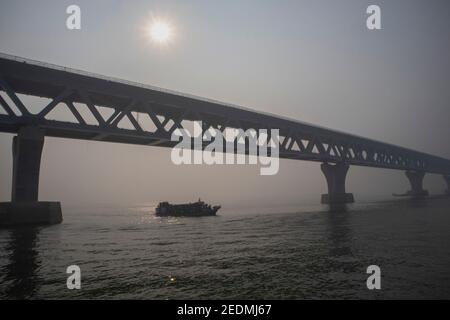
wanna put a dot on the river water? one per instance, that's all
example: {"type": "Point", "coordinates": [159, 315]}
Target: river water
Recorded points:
{"type": "Point", "coordinates": [285, 253]}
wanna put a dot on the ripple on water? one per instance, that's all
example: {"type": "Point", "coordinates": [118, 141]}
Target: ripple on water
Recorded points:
{"type": "Point", "coordinates": [133, 254]}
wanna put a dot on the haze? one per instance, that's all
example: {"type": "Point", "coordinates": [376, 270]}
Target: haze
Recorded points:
{"type": "Point", "coordinates": [314, 61]}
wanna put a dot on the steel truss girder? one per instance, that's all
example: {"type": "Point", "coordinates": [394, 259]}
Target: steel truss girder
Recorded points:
{"type": "Point", "coordinates": [297, 141]}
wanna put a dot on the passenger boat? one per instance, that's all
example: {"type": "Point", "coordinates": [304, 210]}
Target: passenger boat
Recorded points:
{"type": "Point", "coordinates": [196, 209]}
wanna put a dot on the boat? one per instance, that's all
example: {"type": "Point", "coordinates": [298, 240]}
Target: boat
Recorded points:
{"type": "Point", "coordinates": [196, 209]}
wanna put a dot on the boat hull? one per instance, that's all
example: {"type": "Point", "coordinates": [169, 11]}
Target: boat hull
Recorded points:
{"type": "Point", "coordinates": [186, 210]}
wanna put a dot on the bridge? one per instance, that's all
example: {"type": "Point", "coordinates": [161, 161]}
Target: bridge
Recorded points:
{"type": "Point", "coordinates": [110, 101]}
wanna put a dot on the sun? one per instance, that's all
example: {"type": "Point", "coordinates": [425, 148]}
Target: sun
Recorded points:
{"type": "Point", "coordinates": [160, 31]}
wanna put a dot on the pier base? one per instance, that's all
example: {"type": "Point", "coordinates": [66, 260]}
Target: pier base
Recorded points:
{"type": "Point", "coordinates": [415, 179]}
{"type": "Point", "coordinates": [25, 208]}
{"type": "Point", "coordinates": [335, 175]}
{"type": "Point", "coordinates": [36, 213]}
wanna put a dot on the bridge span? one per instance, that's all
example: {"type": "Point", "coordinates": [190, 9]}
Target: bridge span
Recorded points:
{"type": "Point", "coordinates": [109, 101]}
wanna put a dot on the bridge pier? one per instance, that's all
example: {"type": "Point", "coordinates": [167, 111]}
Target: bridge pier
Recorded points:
{"type": "Point", "coordinates": [415, 179]}
{"type": "Point", "coordinates": [335, 175]}
{"type": "Point", "coordinates": [447, 180]}
{"type": "Point", "coordinates": [24, 207]}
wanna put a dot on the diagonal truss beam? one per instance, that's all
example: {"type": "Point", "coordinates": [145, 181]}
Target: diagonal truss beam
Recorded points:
{"type": "Point", "coordinates": [297, 140]}
{"type": "Point", "coordinates": [10, 92]}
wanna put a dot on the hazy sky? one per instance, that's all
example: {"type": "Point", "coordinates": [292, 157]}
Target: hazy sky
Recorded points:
{"type": "Point", "coordinates": [314, 61]}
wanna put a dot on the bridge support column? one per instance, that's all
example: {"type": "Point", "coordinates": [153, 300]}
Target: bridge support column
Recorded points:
{"type": "Point", "coordinates": [24, 207]}
{"type": "Point", "coordinates": [335, 175]}
{"type": "Point", "coordinates": [415, 179]}
{"type": "Point", "coordinates": [447, 179]}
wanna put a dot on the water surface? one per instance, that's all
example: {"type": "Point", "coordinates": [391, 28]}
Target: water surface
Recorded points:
{"type": "Point", "coordinates": [294, 253]}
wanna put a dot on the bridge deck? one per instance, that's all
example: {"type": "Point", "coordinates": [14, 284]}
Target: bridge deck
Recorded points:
{"type": "Point", "coordinates": [169, 111]}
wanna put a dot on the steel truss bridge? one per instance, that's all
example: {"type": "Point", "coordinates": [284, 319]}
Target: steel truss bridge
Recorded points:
{"type": "Point", "coordinates": [109, 101]}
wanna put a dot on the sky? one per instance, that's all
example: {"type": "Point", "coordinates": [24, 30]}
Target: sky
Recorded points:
{"type": "Point", "coordinates": [313, 61]}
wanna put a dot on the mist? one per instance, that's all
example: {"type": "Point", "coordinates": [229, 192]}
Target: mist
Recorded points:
{"type": "Point", "coordinates": [314, 61]}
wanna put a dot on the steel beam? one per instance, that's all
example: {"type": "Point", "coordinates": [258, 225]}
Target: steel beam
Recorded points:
{"type": "Point", "coordinates": [301, 141]}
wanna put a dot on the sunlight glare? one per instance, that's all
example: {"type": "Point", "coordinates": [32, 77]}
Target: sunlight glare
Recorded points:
{"type": "Point", "coordinates": [160, 32]}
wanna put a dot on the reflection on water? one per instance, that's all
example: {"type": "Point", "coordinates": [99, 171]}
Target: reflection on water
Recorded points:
{"type": "Point", "coordinates": [313, 253]}
{"type": "Point", "coordinates": [339, 232]}
{"type": "Point", "coordinates": [20, 273]}
{"type": "Point", "coordinates": [337, 208]}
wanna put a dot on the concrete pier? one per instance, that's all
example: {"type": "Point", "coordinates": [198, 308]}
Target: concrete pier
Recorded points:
{"type": "Point", "coordinates": [335, 175]}
{"type": "Point", "coordinates": [416, 179]}
{"type": "Point", "coordinates": [26, 213]}
{"type": "Point", "coordinates": [447, 180]}
{"type": "Point", "coordinates": [27, 150]}
{"type": "Point", "coordinates": [24, 207]}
